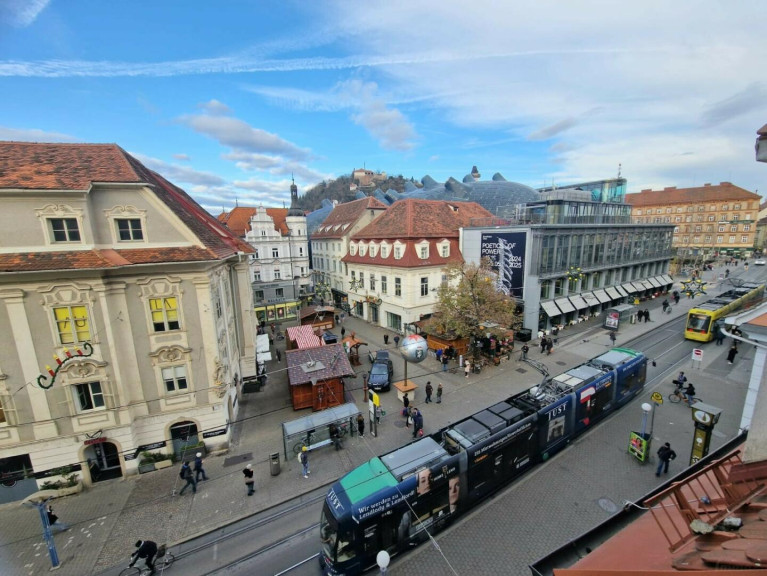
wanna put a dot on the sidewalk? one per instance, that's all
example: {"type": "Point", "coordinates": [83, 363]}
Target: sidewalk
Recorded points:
{"type": "Point", "coordinates": [107, 518]}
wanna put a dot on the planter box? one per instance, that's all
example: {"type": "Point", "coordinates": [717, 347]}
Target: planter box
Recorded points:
{"type": "Point", "coordinates": [144, 468]}
{"type": "Point", "coordinates": [163, 464]}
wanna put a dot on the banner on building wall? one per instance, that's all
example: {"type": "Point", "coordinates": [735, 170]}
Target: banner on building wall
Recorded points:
{"type": "Point", "coordinates": [506, 252]}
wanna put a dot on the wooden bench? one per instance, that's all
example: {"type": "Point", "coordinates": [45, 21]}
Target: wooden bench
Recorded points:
{"type": "Point", "coordinates": [405, 387]}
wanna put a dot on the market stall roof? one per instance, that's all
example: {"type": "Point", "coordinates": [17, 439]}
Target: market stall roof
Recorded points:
{"type": "Point", "coordinates": [353, 342]}
{"type": "Point", "coordinates": [304, 336]}
{"type": "Point", "coordinates": [323, 363]}
{"type": "Point", "coordinates": [321, 311]}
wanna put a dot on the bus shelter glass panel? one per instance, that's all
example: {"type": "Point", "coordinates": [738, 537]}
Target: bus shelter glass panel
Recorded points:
{"type": "Point", "coordinates": [313, 430]}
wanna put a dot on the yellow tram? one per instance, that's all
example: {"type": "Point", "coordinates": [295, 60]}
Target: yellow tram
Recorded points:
{"type": "Point", "coordinates": [701, 320]}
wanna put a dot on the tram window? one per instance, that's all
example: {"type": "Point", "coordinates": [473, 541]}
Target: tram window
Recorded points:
{"type": "Point", "coordinates": [636, 379]}
{"type": "Point", "coordinates": [345, 547]}
{"type": "Point", "coordinates": [698, 322]}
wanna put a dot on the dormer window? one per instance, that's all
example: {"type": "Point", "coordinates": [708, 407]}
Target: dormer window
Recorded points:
{"type": "Point", "coordinates": [373, 250]}
{"type": "Point", "coordinates": [444, 249]}
{"type": "Point", "coordinates": [363, 248]}
{"type": "Point", "coordinates": [384, 250]}
{"type": "Point", "coordinates": [352, 249]}
{"type": "Point", "coordinates": [397, 252]}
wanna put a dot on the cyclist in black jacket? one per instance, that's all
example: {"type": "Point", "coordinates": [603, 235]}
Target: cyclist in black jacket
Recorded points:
{"type": "Point", "coordinates": [147, 550]}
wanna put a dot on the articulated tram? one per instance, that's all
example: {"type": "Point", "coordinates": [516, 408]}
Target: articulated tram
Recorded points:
{"type": "Point", "coordinates": [393, 502]}
{"type": "Point", "coordinates": [701, 319]}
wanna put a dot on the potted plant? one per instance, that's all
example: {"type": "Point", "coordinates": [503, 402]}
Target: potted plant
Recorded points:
{"type": "Point", "coordinates": [188, 451]}
{"type": "Point", "coordinates": [69, 483]}
{"type": "Point", "coordinates": [154, 461]}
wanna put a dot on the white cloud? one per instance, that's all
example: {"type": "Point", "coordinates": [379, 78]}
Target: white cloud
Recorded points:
{"type": "Point", "coordinates": [21, 13]}
{"type": "Point", "coordinates": [239, 135]}
{"type": "Point", "coordinates": [179, 174]}
{"type": "Point", "coordinates": [182, 157]}
{"type": "Point", "coordinates": [33, 135]}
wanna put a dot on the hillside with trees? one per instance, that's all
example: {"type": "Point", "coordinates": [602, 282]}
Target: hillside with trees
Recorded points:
{"type": "Point", "coordinates": [338, 190]}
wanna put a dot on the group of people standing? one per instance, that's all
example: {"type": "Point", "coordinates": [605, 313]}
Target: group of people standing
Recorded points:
{"type": "Point", "coordinates": [547, 345]}
{"type": "Point", "coordinates": [644, 315]}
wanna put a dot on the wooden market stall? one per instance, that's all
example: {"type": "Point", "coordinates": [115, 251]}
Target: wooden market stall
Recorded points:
{"type": "Point", "coordinates": [438, 339]}
{"type": "Point", "coordinates": [319, 317]}
{"type": "Point", "coordinates": [316, 376]}
{"type": "Point", "coordinates": [352, 345]}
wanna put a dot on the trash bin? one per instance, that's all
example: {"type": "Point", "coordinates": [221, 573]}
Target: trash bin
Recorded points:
{"type": "Point", "coordinates": [524, 335]}
{"type": "Point", "coordinates": [274, 463]}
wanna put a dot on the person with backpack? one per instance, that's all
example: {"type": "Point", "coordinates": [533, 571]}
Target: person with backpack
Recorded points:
{"type": "Point", "coordinates": [198, 469]}
{"type": "Point", "coordinates": [525, 350]}
{"type": "Point", "coordinates": [665, 455]}
{"type": "Point", "coordinates": [186, 474]}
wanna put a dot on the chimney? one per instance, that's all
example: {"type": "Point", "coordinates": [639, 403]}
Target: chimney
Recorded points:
{"type": "Point", "coordinates": [707, 184]}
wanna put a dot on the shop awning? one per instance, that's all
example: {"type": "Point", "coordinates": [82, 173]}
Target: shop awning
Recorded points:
{"type": "Point", "coordinates": [590, 299]}
{"type": "Point", "coordinates": [550, 308]}
{"type": "Point", "coordinates": [667, 279]}
{"type": "Point", "coordinates": [647, 285]}
{"type": "Point", "coordinates": [564, 305]}
{"type": "Point", "coordinates": [654, 282]}
{"type": "Point", "coordinates": [621, 291]}
{"type": "Point", "coordinates": [578, 301]}
{"type": "Point", "coordinates": [602, 296]}
{"type": "Point", "coordinates": [639, 286]}
{"type": "Point", "coordinates": [613, 293]}
{"type": "Point", "coordinates": [629, 287]}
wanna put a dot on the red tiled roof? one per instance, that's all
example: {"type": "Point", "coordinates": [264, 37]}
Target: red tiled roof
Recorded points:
{"type": "Point", "coordinates": [333, 357]}
{"type": "Point", "coordinates": [34, 166]}
{"type": "Point", "coordinates": [345, 216]}
{"type": "Point", "coordinates": [99, 259]}
{"type": "Point", "coordinates": [411, 221]}
{"type": "Point", "coordinates": [725, 191]}
{"type": "Point", "coordinates": [238, 219]}
{"type": "Point", "coordinates": [76, 167]}
{"type": "Point", "coordinates": [410, 257]}
{"type": "Point", "coordinates": [414, 218]}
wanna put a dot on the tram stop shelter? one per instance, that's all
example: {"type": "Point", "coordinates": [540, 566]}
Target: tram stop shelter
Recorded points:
{"type": "Point", "coordinates": [313, 430]}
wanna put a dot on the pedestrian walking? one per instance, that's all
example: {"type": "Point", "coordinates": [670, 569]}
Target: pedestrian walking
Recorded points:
{"type": "Point", "coordinates": [343, 331]}
{"type": "Point", "coordinates": [543, 344]}
{"type": "Point", "coordinates": [406, 408]}
{"type": "Point", "coordinates": [342, 317]}
{"type": "Point", "coordinates": [647, 315]}
{"type": "Point", "coordinates": [303, 457]}
{"type": "Point", "coordinates": [198, 469]}
{"type": "Point", "coordinates": [278, 354]}
{"type": "Point", "coordinates": [386, 339]}
{"type": "Point", "coordinates": [445, 360]}
{"type": "Point", "coordinates": [676, 297]}
{"type": "Point", "coordinates": [186, 474]}
{"type": "Point", "coordinates": [438, 354]}
{"type": "Point", "coordinates": [53, 521]}
{"type": "Point", "coordinates": [549, 347]}
{"type": "Point", "coordinates": [429, 390]}
{"type": "Point", "coordinates": [396, 341]}
{"type": "Point", "coordinates": [732, 353]}
{"type": "Point", "coordinates": [613, 338]}
{"type": "Point", "coordinates": [335, 437]}
{"type": "Point", "coordinates": [665, 455]}
{"type": "Point", "coordinates": [273, 327]}
{"type": "Point", "coordinates": [719, 336]}
{"type": "Point", "coordinates": [525, 350]}
{"type": "Point", "coordinates": [361, 425]}
{"type": "Point", "coordinates": [439, 393]}
{"type": "Point", "coordinates": [249, 482]}
{"type": "Point", "coordinates": [417, 422]}
{"type": "Point", "coordinates": [467, 368]}
{"type": "Point", "coordinates": [666, 305]}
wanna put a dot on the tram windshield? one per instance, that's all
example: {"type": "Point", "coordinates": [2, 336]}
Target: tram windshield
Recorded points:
{"type": "Point", "coordinates": [328, 533]}
{"type": "Point", "coordinates": [698, 322]}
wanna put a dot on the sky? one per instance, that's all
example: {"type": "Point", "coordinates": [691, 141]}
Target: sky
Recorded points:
{"type": "Point", "coordinates": [230, 100]}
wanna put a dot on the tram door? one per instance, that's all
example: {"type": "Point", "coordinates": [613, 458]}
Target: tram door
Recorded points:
{"type": "Point", "coordinates": [379, 534]}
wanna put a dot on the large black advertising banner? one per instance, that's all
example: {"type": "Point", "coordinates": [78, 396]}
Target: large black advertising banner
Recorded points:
{"type": "Point", "coordinates": [507, 254]}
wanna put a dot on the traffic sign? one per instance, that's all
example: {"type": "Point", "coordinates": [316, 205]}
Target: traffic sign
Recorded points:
{"type": "Point", "coordinates": [657, 397]}
{"type": "Point", "coordinates": [697, 355]}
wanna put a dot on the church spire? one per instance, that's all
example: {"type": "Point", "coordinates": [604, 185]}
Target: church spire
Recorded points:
{"type": "Point", "coordinates": [294, 210]}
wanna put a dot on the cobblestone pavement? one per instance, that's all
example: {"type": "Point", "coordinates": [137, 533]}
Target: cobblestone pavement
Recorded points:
{"type": "Point", "coordinates": [588, 480]}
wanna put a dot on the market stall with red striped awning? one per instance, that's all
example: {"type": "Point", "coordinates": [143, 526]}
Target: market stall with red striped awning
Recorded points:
{"type": "Point", "coordinates": [302, 337]}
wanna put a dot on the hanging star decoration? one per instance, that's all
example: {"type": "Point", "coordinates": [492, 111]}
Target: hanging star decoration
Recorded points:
{"type": "Point", "coordinates": [693, 287]}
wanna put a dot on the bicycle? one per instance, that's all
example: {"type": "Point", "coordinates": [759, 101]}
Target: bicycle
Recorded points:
{"type": "Point", "coordinates": [162, 561]}
{"type": "Point", "coordinates": [678, 395]}
{"type": "Point", "coordinates": [308, 441]}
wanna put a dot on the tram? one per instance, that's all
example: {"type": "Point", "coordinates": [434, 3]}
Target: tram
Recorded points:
{"type": "Point", "coordinates": [396, 501]}
{"type": "Point", "coordinates": [701, 320]}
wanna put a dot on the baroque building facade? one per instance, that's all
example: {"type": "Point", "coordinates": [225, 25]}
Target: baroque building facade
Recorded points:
{"type": "Point", "coordinates": [127, 315]}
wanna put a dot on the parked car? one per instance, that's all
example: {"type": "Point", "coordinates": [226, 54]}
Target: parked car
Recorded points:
{"type": "Point", "coordinates": [760, 262]}
{"type": "Point", "coordinates": [381, 372]}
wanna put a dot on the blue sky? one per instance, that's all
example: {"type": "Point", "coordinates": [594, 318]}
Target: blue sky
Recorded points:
{"type": "Point", "coordinates": [229, 99]}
